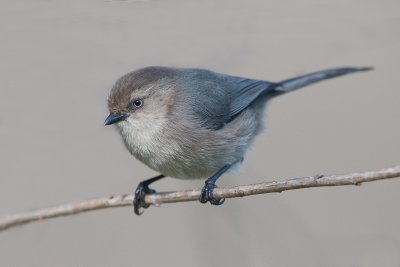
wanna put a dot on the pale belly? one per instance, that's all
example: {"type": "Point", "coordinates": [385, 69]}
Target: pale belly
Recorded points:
{"type": "Point", "coordinates": [168, 157]}
{"type": "Point", "coordinates": [168, 160]}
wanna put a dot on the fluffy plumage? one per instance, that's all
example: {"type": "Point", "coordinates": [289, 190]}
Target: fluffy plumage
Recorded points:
{"type": "Point", "coordinates": [193, 122]}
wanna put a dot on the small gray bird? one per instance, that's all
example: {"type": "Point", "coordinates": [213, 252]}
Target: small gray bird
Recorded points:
{"type": "Point", "coordinates": [194, 123]}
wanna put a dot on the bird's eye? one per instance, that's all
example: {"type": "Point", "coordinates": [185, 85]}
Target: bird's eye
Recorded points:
{"type": "Point", "coordinates": [138, 103]}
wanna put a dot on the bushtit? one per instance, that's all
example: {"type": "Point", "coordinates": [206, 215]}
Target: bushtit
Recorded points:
{"type": "Point", "coordinates": [194, 123]}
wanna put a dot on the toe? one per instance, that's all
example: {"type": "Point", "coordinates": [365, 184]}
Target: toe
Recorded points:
{"type": "Point", "coordinates": [207, 195]}
{"type": "Point", "coordinates": [217, 201]}
{"type": "Point", "coordinates": [204, 195]}
{"type": "Point", "coordinates": [136, 209]}
{"type": "Point", "coordinates": [139, 202]}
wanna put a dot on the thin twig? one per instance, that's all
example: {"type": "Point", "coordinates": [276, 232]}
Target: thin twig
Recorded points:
{"type": "Point", "coordinates": [193, 195]}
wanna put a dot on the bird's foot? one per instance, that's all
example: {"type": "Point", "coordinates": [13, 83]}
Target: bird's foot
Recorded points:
{"type": "Point", "coordinates": [207, 194]}
{"type": "Point", "coordinates": [140, 193]}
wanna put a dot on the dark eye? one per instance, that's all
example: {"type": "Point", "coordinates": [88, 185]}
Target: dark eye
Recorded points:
{"type": "Point", "coordinates": [138, 103]}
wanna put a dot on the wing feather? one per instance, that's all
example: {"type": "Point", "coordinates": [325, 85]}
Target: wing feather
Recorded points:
{"type": "Point", "coordinates": [216, 99]}
{"type": "Point", "coordinates": [245, 91]}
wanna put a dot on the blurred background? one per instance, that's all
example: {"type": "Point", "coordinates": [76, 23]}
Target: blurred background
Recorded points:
{"type": "Point", "coordinates": [59, 60]}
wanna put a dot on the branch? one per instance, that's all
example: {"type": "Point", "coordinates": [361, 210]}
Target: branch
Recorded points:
{"type": "Point", "coordinates": [193, 195]}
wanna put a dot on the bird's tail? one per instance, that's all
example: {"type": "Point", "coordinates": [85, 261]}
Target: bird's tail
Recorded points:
{"type": "Point", "coordinates": [304, 80]}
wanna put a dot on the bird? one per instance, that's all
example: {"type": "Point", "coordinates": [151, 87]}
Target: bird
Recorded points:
{"type": "Point", "coordinates": [190, 123]}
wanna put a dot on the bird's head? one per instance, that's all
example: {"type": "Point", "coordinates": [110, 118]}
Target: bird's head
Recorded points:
{"type": "Point", "coordinates": [141, 98]}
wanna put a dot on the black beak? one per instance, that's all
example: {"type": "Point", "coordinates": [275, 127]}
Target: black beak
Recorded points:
{"type": "Point", "coordinates": [113, 118]}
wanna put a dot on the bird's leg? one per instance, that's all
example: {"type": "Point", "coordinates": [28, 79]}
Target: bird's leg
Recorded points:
{"type": "Point", "coordinates": [207, 191]}
{"type": "Point", "coordinates": [141, 190]}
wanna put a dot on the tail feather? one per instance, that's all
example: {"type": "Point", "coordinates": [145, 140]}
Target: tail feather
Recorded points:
{"type": "Point", "coordinates": [304, 80]}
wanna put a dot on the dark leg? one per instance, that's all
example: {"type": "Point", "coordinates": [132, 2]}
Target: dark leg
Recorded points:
{"type": "Point", "coordinates": [207, 191]}
{"type": "Point", "coordinates": [141, 190]}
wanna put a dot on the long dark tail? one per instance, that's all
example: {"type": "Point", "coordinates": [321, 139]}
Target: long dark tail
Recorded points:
{"type": "Point", "coordinates": [304, 80]}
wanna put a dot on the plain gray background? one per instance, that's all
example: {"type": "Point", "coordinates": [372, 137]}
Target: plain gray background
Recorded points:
{"type": "Point", "coordinates": [59, 60]}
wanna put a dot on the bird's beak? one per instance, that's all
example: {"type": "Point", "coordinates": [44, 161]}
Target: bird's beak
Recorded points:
{"type": "Point", "coordinates": [113, 118]}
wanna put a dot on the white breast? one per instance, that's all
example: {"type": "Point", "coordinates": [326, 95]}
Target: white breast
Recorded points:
{"type": "Point", "coordinates": [142, 139]}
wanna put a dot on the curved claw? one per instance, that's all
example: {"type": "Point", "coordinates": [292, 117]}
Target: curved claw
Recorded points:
{"type": "Point", "coordinates": [217, 201]}
{"type": "Point", "coordinates": [140, 193]}
{"type": "Point", "coordinates": [207, 195]}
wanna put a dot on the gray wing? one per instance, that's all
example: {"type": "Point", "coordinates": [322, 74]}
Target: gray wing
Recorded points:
{"type": "Point", "coordinates": [245, 91]}
{"type": "Point", "coordinates": [216, 99]}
